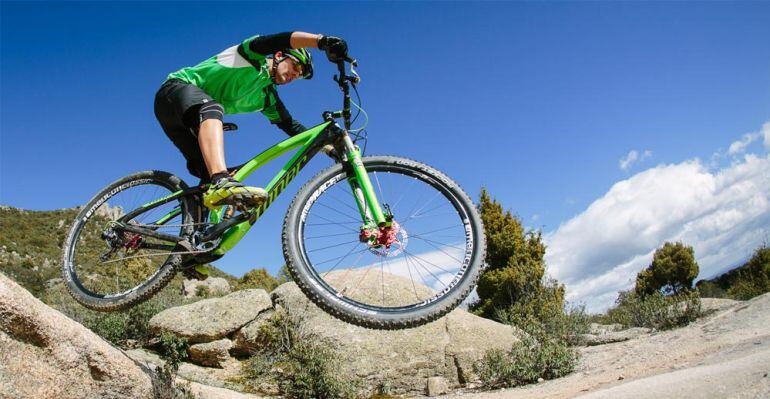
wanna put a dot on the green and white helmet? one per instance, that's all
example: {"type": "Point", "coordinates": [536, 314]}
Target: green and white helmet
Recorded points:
{"type": "Point", "coordinates": [303, 58]}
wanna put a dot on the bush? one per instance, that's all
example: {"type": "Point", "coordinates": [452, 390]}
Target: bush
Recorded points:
{"type": "Point", "coordinates": [655, 310]}
{"type": "Point", "coordinates": [544, 350]}
{"type": "Point", "coordinates": [708, 289]}
{"type": "Point", "coordinates": [173, 350]}
{"type": "Point", "coordinates": [744, 289]}
{"type": "Point", "coordinates": [560, 325]}
{"type": "Point", "coordinates": [257, 278]}
{"type": "Point", "coordinates": [295, 361]}
{"type": "Point", "coordinates": [202, 291]}
{"type": "Point", "coordinates": [744, 282]}
{"type": "Point", "coordinates": [537, 355]}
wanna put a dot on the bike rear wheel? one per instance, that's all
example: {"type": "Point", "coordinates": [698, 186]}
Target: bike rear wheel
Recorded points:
{"type": "Point", "coordinates": [435, 252]}
{"type": "Point", "coordinates": [108, 268]}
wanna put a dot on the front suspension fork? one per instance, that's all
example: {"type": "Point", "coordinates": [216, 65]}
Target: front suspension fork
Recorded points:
{"type": "Point", "coordinates": [363, 191]}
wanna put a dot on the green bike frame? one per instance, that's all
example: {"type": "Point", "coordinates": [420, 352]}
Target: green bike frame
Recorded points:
{"type": "Point", "coordinates": [309, 143]}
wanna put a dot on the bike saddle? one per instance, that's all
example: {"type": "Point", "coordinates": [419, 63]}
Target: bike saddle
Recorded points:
{"type": "Point", "coordinates": [228, 127]}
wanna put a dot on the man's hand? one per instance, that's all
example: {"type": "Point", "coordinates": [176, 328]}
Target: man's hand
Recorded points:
{"type": "Point", "coordinates": [336, 49]}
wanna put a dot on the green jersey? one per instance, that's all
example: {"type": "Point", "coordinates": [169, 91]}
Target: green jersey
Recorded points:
{"type": "Point", "coordinates": [239, 79]}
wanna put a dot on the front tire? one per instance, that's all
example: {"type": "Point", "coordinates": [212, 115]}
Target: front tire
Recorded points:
{"type": "Point", "coordinates": [433, 262]}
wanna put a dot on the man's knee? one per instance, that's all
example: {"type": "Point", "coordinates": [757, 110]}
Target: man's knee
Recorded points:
{"type": "Point", "coordinates": [211, 110]}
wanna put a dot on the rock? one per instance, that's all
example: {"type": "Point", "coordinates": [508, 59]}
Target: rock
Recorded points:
{"type": "Point", "coordinates": [617, 336]}
{"type": "Point", "coordinates": [469, 337]}
{"type": "Point", "coordinates": [214, 318]}
{"type": "Point", "coordinates": [712, 305]}
{"type": "Point", "coordinates": [403, 358]}
{"type": "Point", "coordinates": [596, 328]}
{"type": "Point", "coordinates": [215, 377]}
{"type": "Point", "coordinates": [437, 386]}
{"type": "Point", "coordinates": [44, 354]}
{"type": "Point", "coordinates": [207, 392]}
{"type": "Point", "coordinates": [110, 212]}
{"type": "Point", "coordinates": [213, 354]}
{"type": "Point", "coordinates": [245, 339]}
{"type": "Point", "coordinates": [215, 286]}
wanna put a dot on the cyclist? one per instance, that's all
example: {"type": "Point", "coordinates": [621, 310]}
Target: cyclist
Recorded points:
{"type": "Point", "coordinates": [192, 101]}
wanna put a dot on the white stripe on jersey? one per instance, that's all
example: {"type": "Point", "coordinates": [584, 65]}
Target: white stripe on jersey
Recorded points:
{"type": "Point", "coordinates": [231, 59]}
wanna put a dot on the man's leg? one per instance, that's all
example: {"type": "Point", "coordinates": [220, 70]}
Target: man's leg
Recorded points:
{"type": "Point", "coordinates": [224, 190]}
{"type": "Point", "coordinates": [212, 145]}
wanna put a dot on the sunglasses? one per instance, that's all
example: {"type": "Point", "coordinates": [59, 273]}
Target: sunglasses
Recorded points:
{"type": "Point", "coordinates": [301, 69]}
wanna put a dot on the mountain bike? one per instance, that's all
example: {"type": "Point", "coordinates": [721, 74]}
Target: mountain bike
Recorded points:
{"type": "Point", "coordinates": [377, 241]}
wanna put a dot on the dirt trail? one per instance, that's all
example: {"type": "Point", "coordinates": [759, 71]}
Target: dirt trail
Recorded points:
{"type": "Point", "coordinates": [724, 355]}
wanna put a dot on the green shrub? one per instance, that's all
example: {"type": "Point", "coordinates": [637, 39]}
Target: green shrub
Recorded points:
{"type": "Point", "coordinates": [297, 362]}
{"type": "Point", "coordinates": [536, 355]}
{"type": "Point", "coordinates": [709, 289]}
{"type": "Point", "coordinates": [202, 291]}
{"type": "Point", "coordinates": [744, 282]}
{"type": "Point", "coordinates": [560, 325]}
{"type": "Point", "coordinates": [655, 310]}
{"type": "Point", "coordinates": [173, 350]}
{"type": "Point", "coordinates": [543, 351]}
{"type": "Point", "coordinates": [744, 289]}
{"type": "Point", "coordinates": [257, 278]}
{"type": "Point", "coordinates": [309, 371]}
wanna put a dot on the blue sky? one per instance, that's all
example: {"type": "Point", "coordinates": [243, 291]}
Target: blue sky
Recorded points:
{"type": "Point", "coordinates": [545, 104]}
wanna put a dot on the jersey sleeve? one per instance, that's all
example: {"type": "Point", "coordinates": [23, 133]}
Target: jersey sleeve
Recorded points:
{"type": "Point", "coordinates": [268, 44]}
{"type": "Point", "coordinates": [278, 115]}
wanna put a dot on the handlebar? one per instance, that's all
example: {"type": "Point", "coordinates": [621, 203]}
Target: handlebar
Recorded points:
{"type": "Point", "coordinates": [342, 80]}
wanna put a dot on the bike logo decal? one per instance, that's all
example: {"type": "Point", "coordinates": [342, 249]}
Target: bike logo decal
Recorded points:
{"type": "Point", "coordinates": [281, 185]}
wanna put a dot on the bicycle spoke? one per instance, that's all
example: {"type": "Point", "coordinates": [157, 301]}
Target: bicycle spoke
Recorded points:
{"type": "Point", "coordinates": [436, 242]}
{"type": "Point", "coordinates": [336, 210]}
{"type": "Point", "coordinates": [333, 259]}
{"type": "Point", "coordinates": [418, 261]}
{"type": "Point", "coordinates": [334, 246]}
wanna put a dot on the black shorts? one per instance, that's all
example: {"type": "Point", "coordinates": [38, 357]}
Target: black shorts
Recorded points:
{"type": "Point", "coordinates": [177, 106]}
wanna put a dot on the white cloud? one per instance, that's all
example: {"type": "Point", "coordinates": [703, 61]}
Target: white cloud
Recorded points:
{"type": "Point", "coordinates": [738, 147]}
{"type": "Point", "coordinates": [632, 157]}
{"type": "Point", "coordinates": [766, 133]}
{"type": "Point", "coordinates": [724, 214]}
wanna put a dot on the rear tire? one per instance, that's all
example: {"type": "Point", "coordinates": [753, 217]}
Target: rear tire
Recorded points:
{"type": "Point", "coordinates": [129, 272]}
{"type": "Point", "coordinates": [336, 290]}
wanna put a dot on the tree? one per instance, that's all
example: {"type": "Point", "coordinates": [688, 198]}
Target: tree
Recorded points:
{"type": "Point", "coordinates": [672, 270]}
{"type": "Point", "coordinates": [754, 277]}
{"type": "Point", "coordinates": [512, 286]}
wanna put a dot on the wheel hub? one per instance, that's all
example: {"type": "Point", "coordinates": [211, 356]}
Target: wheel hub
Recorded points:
{"type": "Point", "coordinates": [385, 241]}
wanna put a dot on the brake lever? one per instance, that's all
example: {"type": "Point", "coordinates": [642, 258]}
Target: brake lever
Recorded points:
{"type": "Point", "coordinates": [355, 79]}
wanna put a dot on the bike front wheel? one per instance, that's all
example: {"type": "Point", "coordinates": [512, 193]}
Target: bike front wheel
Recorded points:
{"type": "Point", "coordinates": [426, 267]}
{"type": "Point", "coordinates": [109, 267]}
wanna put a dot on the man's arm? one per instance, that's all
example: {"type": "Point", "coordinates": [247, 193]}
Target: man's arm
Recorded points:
{"type": "Point", "coordinates": [271, 44]}
{"type": "Point", "coordinates": [279, 115]}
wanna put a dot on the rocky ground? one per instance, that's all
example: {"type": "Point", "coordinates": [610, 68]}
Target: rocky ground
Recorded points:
{"type": "Point", "coordinates": [45, 354]}
{"type": "Point", "coordinates": [724, 355]}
